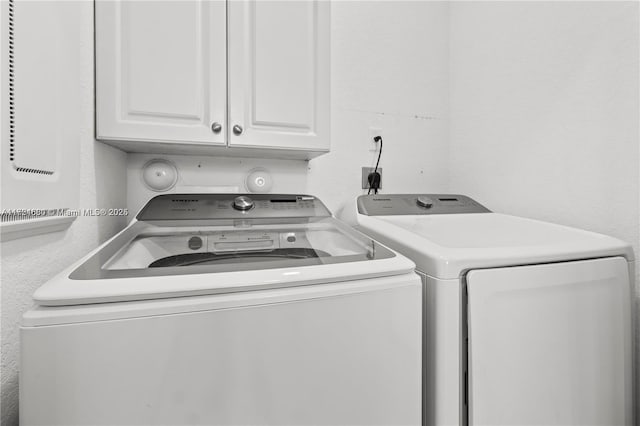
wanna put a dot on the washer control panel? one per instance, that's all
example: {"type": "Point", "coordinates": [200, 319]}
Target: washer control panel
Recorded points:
{"type": "Point", "coordinates": [232, 206]}
{"type": "Point", "coordinates": [417, 204]}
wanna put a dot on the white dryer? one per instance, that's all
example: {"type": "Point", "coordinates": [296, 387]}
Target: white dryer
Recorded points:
{"type": "Point", "coordinates": [215, 310]}
{"type": "Point", "coordinates": [526, 322]}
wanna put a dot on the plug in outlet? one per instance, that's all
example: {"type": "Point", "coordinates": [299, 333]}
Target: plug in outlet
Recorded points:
{"type": "Point", "coordinates": [365, 176]}
{"type": "Point", "coordinates": [373, 132]}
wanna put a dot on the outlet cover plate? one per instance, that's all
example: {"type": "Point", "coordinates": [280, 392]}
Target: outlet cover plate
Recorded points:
{"type": "Point", "coordinates": [365, 176]}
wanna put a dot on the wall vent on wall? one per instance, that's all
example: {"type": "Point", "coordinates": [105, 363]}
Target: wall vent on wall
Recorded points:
{"type": "Point", "coordinates": [12, 97]}
{"type": "Point", "coordinates": [18, 215]}
{"type": "Point", "coordinates": [40, 115]}
{"type": "Point", "coordinates": [12, 89]}
{"type": "Point", "coordinates": [34, 171]}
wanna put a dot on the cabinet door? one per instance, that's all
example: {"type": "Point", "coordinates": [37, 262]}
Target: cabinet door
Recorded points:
{"type": "Point", "coordinates": [279, 64]}
{"type": "Point", "coordinates": [161, 70]}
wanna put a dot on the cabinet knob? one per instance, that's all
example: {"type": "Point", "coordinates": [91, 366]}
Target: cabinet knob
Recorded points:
{"type": "Point", "coordinates": [237, 130]}
{"type": "Point", "coordinates": [216, 127]}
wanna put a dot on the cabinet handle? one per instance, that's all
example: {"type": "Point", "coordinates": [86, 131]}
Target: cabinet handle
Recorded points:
{"type": "Point", "coordinates": [237, 130]}
{"type": "Point", "coordinates": [216, 127]}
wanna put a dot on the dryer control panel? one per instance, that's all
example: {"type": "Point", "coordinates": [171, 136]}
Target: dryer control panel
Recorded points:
{"type": "Point", "coordinates": [417, 204]}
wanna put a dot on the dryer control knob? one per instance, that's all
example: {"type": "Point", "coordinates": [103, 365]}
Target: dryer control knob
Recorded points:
{"type": "Point", "coordinates": [424, 202]}
{"type": "Point", "coordinates": [243, 203]}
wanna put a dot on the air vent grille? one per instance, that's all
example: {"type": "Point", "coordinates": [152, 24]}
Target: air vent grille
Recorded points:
{"type": "Point", "coordinates": [31, 214]}
{"type": "Point", "coordinates": [35, 171]}
{"type": "Point", "coordinates": [184, 200]}
{"type": "Point", "coordinates": [12, 98]}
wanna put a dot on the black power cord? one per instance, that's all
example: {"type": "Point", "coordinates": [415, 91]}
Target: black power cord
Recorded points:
{"type": "Point", "coordinates": [374, 178]}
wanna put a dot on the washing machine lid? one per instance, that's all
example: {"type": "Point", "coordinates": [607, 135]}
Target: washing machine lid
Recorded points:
{"type": "Point", "coordinates": [181, 247]}
{"type": "Point", "coordinates": [447, 245]}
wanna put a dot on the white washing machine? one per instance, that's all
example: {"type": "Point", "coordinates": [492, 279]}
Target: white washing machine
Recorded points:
{"type": "Point", "coordinates": [215, 310]}
{"type": "Point", "coordinates": [526, 322]}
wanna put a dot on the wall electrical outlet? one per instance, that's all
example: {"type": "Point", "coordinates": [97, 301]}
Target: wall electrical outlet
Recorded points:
{"type": "Point", "coordinates": [365, 176]}
{"type": "Point", "coordinates": [373, 132]}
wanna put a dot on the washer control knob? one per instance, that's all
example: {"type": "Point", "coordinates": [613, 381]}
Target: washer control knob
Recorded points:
{"type": "Point", "coordinates": [243, 203]}
{"type": "Point", "coordinates": [424, 202]}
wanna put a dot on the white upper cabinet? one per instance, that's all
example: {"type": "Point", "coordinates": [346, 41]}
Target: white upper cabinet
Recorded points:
{"type": "Point", "coordinates": [163, 83]}
{"type": "Point", "coordinates": [279, 74]}
{"type": "Point", "coordinates": [161, 71]}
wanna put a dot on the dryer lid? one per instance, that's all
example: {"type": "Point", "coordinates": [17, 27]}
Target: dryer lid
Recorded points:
{"type": "Point", "coordinates": [448, 245]}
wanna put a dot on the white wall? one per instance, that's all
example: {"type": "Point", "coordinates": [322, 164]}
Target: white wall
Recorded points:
{"type": "Point", "coordinates": [390, 70]}
{"type": "Point", "coordinates": [28, 263]}
{"type": "Point", "coordinates": [545, 112]}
